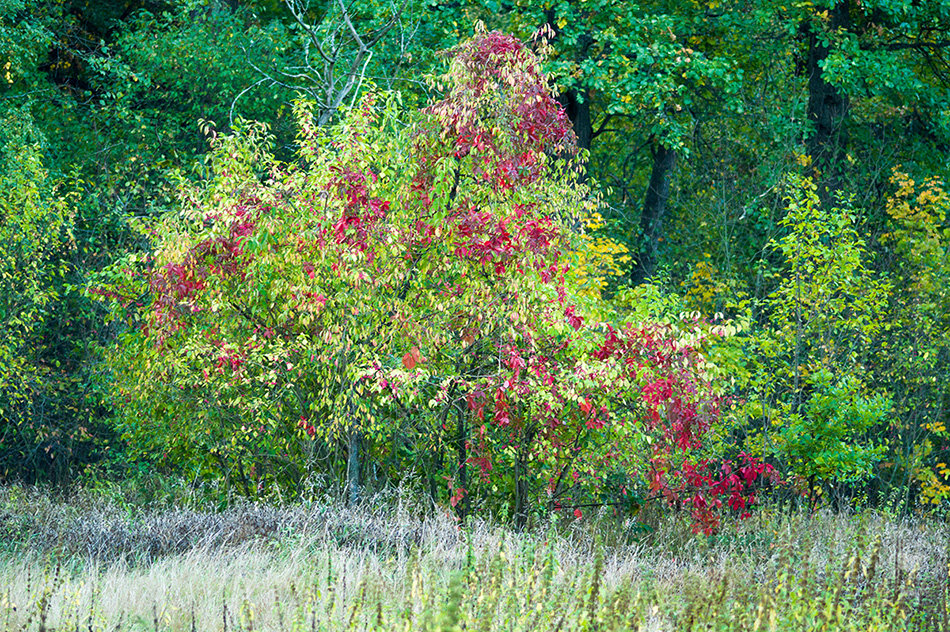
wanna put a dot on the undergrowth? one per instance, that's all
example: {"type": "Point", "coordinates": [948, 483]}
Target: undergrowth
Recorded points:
{"type": "Point", "coordinates": [391, 565]}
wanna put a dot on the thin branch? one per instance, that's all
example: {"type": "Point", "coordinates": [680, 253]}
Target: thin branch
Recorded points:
{"type": "Point", "coordinates": [917, 45]}
{"type": "Point", "coordinates": [310, 29]}
{"type": "Point", "coordinates": [349, 25]}
{"type": "Point", "coordinates": [241, 94]}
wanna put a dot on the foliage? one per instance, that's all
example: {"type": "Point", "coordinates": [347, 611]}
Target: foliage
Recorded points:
{"type": "Point", "coordinates": [23, 37]}
{"type": "Point", "coordinates": [405, 288]}
{"type": "Point", "coordinates": [599, 261]}
{"type": "Point", "coordinates": [35, 233]}
{"type": "Point", "coordinates": [824, 443]}
{"type": "Point", "coordinates": [824, 316]}
{"type": "Point", "coordinates": [115, 90]}
{"type": "Point", "coordinates": [918, 332]}
{"type": "Point", "coordinates": [829, 305]}
{"type": "Point", "coordinates": [638, 84]}
{"type": "Point", "coordinates": [686, 135]}
{"type": "Point", "coordinates": [885, 54]}
{"type": "Point", "coordinates": [919, 235]}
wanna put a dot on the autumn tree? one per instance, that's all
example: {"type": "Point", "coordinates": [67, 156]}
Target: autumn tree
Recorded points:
{"type": "Point", "coordinates": [405, 288]}
{"type": "Point", "coordinates": [637, 82]}
{"type": "Point", "coordinates": [382, 239]}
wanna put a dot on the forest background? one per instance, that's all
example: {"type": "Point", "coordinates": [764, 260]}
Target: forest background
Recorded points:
{"type": "Point", "coordinates": [756, 216]}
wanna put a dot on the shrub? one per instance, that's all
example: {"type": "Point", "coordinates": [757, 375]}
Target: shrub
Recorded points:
{"type": "Point", "coordinates": [822, 320]}
{"type": "Point", "coordinates": [399, 297]}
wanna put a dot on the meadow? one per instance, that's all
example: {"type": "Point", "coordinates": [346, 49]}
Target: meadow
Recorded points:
{"type": "Point", "coordinates": [89, 562]}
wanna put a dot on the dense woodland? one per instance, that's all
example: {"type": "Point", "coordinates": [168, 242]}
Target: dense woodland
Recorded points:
{"type": "Point", "coordinates": [524, 256]}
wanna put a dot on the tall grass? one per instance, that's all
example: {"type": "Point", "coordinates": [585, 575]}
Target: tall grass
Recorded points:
{"type": "Point", "coordinates": [92, 565]}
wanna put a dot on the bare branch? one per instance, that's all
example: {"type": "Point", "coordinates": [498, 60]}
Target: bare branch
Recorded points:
{"type": "Point", "coordinates": [241, 94]}
{"type": "Point", "coordinates": [336, 77]}
{"type": "Point", "coordinates": [297, 12]}
{"type": "Point", "coordinates": [349, 25]}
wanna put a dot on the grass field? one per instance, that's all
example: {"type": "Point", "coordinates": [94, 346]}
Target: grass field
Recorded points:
{"type": "Point", "coordinates": [90, 564]}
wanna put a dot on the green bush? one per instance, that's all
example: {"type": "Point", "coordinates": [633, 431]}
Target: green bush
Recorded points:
{"type": "Point", "coordinates": [825, 442]}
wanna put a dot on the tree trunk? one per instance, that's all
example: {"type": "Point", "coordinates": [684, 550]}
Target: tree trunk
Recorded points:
{"type": "Point", "coordinates": [654, 210]}
{"type": "Point", "coordinates": [352, 467]}
{"type": "Point", "coordinates": [827, 110]}
{"type": "Point", "coordinates": [521, 480]}
{"type": "Point", "coordinates": [464, 505]}
{"type": "Point", "coordinates": [577, 105]}
{"type": "Point", "coordinates": [576, 100]}
{"type": "Point", "coordinates": [521, 494]}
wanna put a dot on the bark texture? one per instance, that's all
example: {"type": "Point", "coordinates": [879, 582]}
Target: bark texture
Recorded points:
{"type": "Point", "coordinates": [654, 212]}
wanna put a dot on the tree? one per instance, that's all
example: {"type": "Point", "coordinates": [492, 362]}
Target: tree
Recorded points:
{"type": "Point", "coordinates": [915, 339]}
{"type": "Point", "coordinates": [632, 78]}
{"type": "Point", "coordinates": [337, 50]}
{"type": "Point", "coordinates": [35, 234]}
{"type": "Point", "coordinates": [388, 231]}
{"type": "Point", "coordinates": [866, 63]}
{"type": "Point", "coordinates": [406, 287]}
{"type": "Point", "coordinates": [814, 360]}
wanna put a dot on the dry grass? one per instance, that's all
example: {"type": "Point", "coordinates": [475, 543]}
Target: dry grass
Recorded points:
{"type": "Point", "coordinates": [88, 565]}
